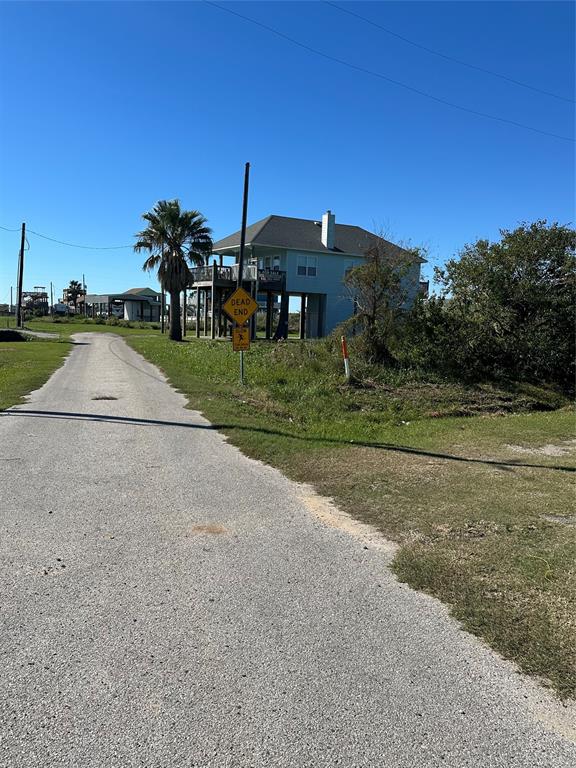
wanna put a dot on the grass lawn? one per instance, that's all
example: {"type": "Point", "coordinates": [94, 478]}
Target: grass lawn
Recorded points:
{"type": "Point", "coordinates": [66, 327]}
{"type": "Point", "coordinates": [482, 507]}
{"type": "Point", "coordinates": [26, 365]}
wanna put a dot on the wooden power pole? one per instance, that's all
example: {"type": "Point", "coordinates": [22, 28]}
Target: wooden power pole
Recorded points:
{"type": "Point", "coordinates": [243, 230]}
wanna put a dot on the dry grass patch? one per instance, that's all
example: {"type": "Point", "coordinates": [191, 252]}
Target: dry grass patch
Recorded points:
{"type": "Point", "coordinates": [474, 536]}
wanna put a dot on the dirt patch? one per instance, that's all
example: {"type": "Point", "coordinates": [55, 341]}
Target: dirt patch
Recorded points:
{"type": "Point", "coordinates": [568, 520]}
{"type": "Point", "coordinates": [211, 528]}
{"type": "Point", "coordinates": [564, 449]}
{"type": "Point", "coordinates": [329, 514]}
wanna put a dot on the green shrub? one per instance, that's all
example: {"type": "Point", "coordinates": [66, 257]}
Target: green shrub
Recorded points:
{"type": "Point", "coordinates": [506, 311]}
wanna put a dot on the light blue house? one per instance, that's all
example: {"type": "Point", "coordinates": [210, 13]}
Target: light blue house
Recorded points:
{"type": "Point", "coordinates": [288, 257]}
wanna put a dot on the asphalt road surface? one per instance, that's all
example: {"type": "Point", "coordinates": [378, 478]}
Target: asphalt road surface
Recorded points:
{"type": "Point", "coordinates": [166, 601]}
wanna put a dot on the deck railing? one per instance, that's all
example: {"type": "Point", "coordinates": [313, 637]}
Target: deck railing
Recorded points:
{"type": "Point", "coordinates": [273, 277]}
{"type": "Point", "coordinates": [230, 273]}
{"type": "Point", "coordinates": [249, 272]}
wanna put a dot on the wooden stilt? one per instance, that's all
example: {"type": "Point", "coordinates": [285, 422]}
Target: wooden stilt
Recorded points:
{"type": "Point", "coordinates": [303, 316]}
{"type": "Point", "coordinates": [184, 313]}
{"type": "Point", "coordinates": [213, 302]}
{"type": "Point", "coordinates": [269, 304]}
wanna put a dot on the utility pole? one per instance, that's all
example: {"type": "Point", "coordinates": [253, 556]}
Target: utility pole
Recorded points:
{"type": "Point", "coordinates": [242, 244]}
{"type": "Point", "coordinates": [243, 230]}
{"type": "Point", "coordinates": [10, 300]}
{"type": "Point", "coordinates": [51, 299]}
{"type": "Point", "coordinates": [19, 321]}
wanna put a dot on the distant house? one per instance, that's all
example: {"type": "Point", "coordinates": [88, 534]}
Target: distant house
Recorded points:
{"type": "Point", "coordinates": [287, 257]}
{"type": "Point", "coordinates": [67, 299]}
{"type": "Point", "coordinates": [134, 304]}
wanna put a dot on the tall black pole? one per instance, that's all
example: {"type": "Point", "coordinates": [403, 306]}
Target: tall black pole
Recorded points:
{"type": "Point", "coordinates": [19, 322]}
{"type": "Point", "coordinates": [243, 230]}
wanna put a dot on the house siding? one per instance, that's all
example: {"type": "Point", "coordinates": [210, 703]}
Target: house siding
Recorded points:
{"type": "Point", "coordinates": [330, 302]}
{"type": "Point", "coordinates": [338, 304]}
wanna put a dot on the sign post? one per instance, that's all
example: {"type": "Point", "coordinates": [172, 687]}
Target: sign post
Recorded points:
{"type": "Point", "coordinates": [240, 307]}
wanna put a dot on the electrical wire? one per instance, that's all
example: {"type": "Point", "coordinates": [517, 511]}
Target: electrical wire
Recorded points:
{"type": "Point", "coordinates": [379, 75]}
{"type": "Point", "coordinates": [446, 56]}
{"type": "Point", "coordinates": [70, 245]}
{"type": "Point", "coordinates": [75, 245]}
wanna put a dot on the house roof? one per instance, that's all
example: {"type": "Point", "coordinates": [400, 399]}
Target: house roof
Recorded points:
{"type": "Point", "coordinates": [142, 291]}
{"type": "Point", "coordinates": [304, 235]}
{"type": "Point", "coordinates": [104, 298]}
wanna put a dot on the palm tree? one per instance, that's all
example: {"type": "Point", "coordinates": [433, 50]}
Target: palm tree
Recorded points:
{"type": "Point", "coordinates": [175, 240]}
{"type": "Point", "coordinates": [73, 292]}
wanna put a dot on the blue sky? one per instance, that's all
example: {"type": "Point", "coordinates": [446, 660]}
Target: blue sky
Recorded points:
{"type": "Point", "coordinates": [107, 107]}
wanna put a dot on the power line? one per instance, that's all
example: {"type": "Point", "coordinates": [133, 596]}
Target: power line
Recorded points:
{"type": "Point", "coordinates": [85, 247]}
{"type": "Point", "coordinates": [71, 245]}
{"type": "Point", "coordinates": [379, 75]}
{"type": "Point", "coordinates": [446, 56]}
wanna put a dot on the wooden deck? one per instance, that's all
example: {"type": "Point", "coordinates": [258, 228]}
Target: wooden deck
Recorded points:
{"type": "Point", "coordinates": [227, 277]}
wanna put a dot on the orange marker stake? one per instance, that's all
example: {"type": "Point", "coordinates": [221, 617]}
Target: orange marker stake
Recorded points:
{"type": "Point", "coordinates": [346, 358]}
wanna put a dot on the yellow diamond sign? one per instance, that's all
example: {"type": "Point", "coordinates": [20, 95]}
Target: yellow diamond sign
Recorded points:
{"type": "Point", "coordinates": [240, 306]}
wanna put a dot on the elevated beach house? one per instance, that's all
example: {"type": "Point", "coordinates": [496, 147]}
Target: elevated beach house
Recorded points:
{"type": "Point", "coordinates": [288, 257]}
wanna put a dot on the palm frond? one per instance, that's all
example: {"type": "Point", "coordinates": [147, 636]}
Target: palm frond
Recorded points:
{"type": "Point", "coordinates": [174, 240]}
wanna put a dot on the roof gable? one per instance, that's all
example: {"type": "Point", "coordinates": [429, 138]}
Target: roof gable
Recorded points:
{"type": "Point", "coordinates": [142, 292]}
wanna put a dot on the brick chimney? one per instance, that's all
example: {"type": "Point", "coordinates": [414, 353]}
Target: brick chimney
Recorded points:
{"type": "Point", "coordinates": [328, 229]}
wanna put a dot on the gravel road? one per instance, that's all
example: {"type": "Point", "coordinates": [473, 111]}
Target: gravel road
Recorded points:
{"type": "Point", "coordinates": [166, 601]}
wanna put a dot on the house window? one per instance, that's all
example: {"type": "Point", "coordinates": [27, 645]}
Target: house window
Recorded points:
{"type": "Point", "coordinates": [350, 265]}
{"type": "Point", "coordinates": [307, 266]}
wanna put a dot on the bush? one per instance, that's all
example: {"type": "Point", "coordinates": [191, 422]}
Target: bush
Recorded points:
{"type": "Point", "coordinates": [506, 309]}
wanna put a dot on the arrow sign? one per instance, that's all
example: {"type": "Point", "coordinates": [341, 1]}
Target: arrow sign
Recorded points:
{"type": "Point", "coordinates": [240, 306]}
